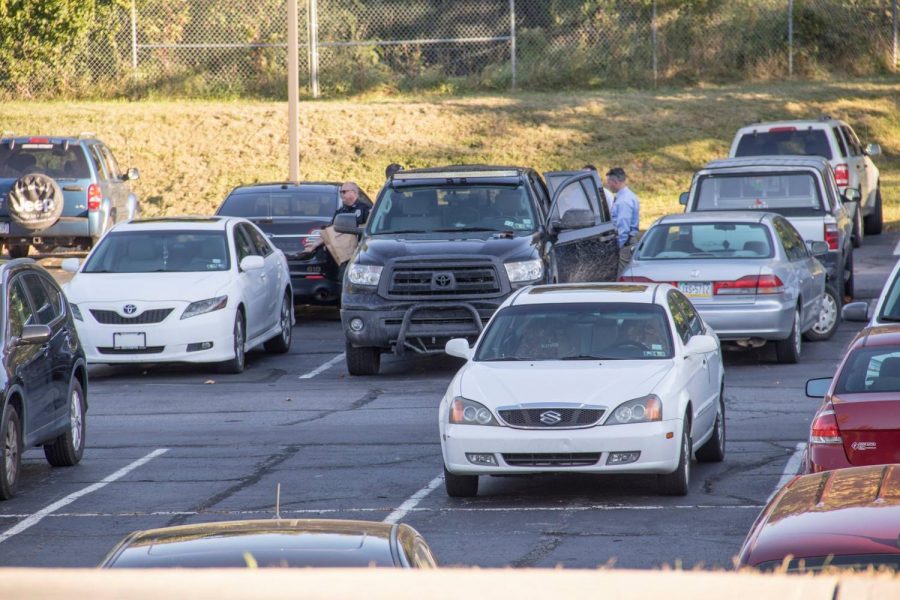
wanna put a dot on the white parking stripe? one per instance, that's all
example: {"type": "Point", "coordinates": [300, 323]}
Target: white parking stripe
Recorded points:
{"type": "Point", "coordinates": [34, 519]}
{"type": "Point", "coordinates": [324, 367]}
{"type": "Point", "coordinates": [414, 500]}
{"type": "Point", "coordinates": [791, 469]}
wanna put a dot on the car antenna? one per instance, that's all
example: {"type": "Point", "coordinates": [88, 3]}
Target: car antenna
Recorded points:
{"type": "Point", "coordinates": [278, 501]}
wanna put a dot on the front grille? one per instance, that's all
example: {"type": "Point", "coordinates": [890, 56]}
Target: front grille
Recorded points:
{"type": "Point", "coordinates": [110, 317]}
{"type": "Point", "coordinates": [462, 280]}
{"type": "Point", "coordinates": [581, 459]}
{"type": "Point", "coordinates": [148, 350]}
{"type": "Point", "coordinates": [530, 418]}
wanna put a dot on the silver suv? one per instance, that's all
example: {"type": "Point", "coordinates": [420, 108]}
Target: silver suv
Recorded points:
{"type": "Point", "coordinates": [834, 140]}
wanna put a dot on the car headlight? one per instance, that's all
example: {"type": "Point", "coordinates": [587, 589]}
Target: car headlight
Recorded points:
{"type": "Point", "coordinates": [468, 412]}
{"type": "Point", "coordinates": [639, 410]}
{"type": "Point", "coordinates": [364, 274]}
{"type": "Point", "coordinates": [201, 307]}
{"type": "Point", "coordinates": [76, 312]}
{"type": "Point", "coordinates": [526, 270]}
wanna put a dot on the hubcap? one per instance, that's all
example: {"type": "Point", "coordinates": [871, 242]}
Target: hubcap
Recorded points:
{"type": "Point", "coordinates": [11, 444]}
{"type": "Point", "coordinates": [75, 419]}
{"type": "Point", "coordinates": [828, 316]}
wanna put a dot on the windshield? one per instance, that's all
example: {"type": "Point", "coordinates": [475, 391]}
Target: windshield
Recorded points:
{"type": "Point", "coordinates": [160, 252]}
{"type": "Point", "coordinates": [890, 310]}
{"type": "Point", "coordinates": [50, 159]}
{"type": "Point", "coordinates": [706, 240]}
{"type": "Point", "coordinates": [778, 192]}
{"type": "Point", "coordinates": [453, 208]}
{"type": "Point", "coordinates": [787, 140]}
{"type": "Point", "coordinates": [869, 370]}
{"type": "Point", "coordinates": [577, 331]}
{"type": "Point", "coordinates": [280, 204]}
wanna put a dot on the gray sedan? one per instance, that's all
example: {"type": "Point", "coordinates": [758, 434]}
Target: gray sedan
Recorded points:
{"type": "Point", "coordinates": [750, 276]}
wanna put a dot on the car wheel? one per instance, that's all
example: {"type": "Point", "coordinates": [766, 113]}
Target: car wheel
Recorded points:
{"type": "Point", "coordinates": [460, 486]}
{"type": "Point", "coordinates": [677, 482]}
{"type": "Point", "coordinates": [10, 452]}
{"type": "Point", "coordinates": [714, 448]}
{"type": "Point", "coordinates": [829, 317]}
{"type": "Point", "coordinates": [236, 364]}
{"type": "Point", "coordinates": [788, 350]}
{"type": "Point", "coordinates": [858, 228]}
{"type": "Point", "coordinates": [874, 223]}
{"type": "Point", "coordinates": [362, 361]}
{"type": "Point", "coordinates": [67, 449]}
{"type": "Point", "coordinates": [17, 250]}
{"type": "Point", "coordinates": [281, 343]}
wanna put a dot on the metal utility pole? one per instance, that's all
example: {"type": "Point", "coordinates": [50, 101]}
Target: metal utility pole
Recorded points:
{"type": "Point", "coordinates": [313, 38]}
{"type": "Point", "coordinates": [293, 93]}
{"type": "Point", "coordinates": [653, 33]}
{"type": "Point", "coordinates": [512, 41]}
{"type": "Point", "coordinates": [894, 18]}
{"type": "Point", "coordinates": [134, 56]}
{"type": "Point", "coordinates": [790, 38]}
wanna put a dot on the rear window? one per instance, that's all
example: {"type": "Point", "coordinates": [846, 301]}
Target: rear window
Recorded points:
{"type": "Point", "coordinates": [706, 240]}
{"type": "Point", "coordinates": [871, 370]}
{"type": "Point", "coordinates": [785, 193]}
{"type": "Point", "coordinates": [807, 142]}
{"type": "Point", "coordinates": [281, 204]}
{"type": "Point", "coordinates": [53, 160]}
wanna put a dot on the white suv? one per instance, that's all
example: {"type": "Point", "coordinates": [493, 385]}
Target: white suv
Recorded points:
{"type": "Point", "coordinates": [833, 139]}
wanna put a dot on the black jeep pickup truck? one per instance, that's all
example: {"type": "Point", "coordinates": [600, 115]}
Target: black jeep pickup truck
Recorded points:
{"type": "Point", "coordinates": [444, 247]}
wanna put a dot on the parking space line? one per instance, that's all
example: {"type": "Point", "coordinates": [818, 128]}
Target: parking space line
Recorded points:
{"type": "Point", "coordinates": [414, 500]}
{"type": "Point", "coordinates": [35, 518]}
{"type": "Point", "coordinates": [324, 367]}
{"type": "Point", "coordinates": [791, 469]}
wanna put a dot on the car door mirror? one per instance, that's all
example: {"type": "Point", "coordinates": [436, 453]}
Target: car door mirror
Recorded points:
{"type": "Point", "coordinates": [817, 388]}
{"type": "Point", "coordinates": [873, 149]}
{"type": "Point", "coordinates": [346, 223]}
{"type": "Point", "coordinates": [856, 311]}
{"type": "Point", "coordinates": [817, 248]}
{"type": "Point", "coordinates": [851, 195]}
{"type": "Point", "coordinates": [701, 344]}
{"type": "Point", "coordinates": [70, 265]}
{"type": "Point", "coordinates": [252, 263]}
{"type": "Point", "coordinates": [683, 198]}
{"type": "Point", "coordinates": [576, 218]}
{"type": "Point", "coordinates": [132, 174]}
{"type": "Point", "coordinates": [35, 334]}
{"type": "Point", "coordinates": [458, 347]}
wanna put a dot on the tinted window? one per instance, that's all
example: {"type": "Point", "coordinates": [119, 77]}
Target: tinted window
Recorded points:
{"type": "Point", "coordinates": [808, 142]}
{"type": "Point", "coordinates": [576, 196]}
{"type": "Point", "coordinates": [102, 168]}
{"type": "Point", "coordinates": [874, 369]}
{"type": "Point", "coordinates": [280, 204]}
{"type": "Point", "coordinates": [263, 248]}
{"type": "Point", "coordinates": [840, 141]}
{"type": "Point", "coordinates": [706, 240]}
{"type": "Point", "coordinates": [794, 247]}
{"type": "Point", "coordinates": [682, 320]}
{"type": "Point", "coordinates": [242, 244]}
{"type": "Point", "coordinates": [111, 162]}
{"type": "Point", "coordinates": [852, 142]}
{"type": "Point", "coordinates": [160, 251]}
{"type": "Point", "coordinates": [693, 321]}
{"type": "Point", "coordinates": [20, 311]}
{"type": "Point", "coordinates": [45, 310]}
{"type": "Point", "coordinates": [791, 193]}
{"type": "Point", "coordinates": [50, 159]}
{"type": "Point", "coordinates": [890, 310]}
{"type": "Point", "coordinates": [577, 331]}
{"type": "Point", "coordinates": [55, 294]}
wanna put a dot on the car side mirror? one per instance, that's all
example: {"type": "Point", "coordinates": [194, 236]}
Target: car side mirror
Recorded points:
{"type": "Point", "coordinates": [577, 218]}
{"type": "Point", "coordinates": [35, 334]}
{"type": "Point", "coordinates": [817, 248]}
{"type": "Point", "coordinates": [458, 347]}
{"type": "Point", "coordinates": [856, 311]}
{"type": "Point", "coordinates": [701, 344]}
{"type": "Point", "coordinates": [683, 198]}
{"type": "Point", "coordinates": [817, 388]}
{"type": "Point", "coordinates": [851, 195]}
{"type": "Point", "coordinates": [70, 265]}
{"type": "Point", "coordinates": [873, 149]}
{"type": "Point", "coordinates": [252, 263]}
{"type": "Point", "coordinates": [132, 174]}
{"type": "Point", "coordinates": [346, 223]}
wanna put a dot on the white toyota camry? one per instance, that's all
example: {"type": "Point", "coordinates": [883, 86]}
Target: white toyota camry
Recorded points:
{"type": "Point", "coordinates": [591, 378]}
{"type": "Point", "coordinates": [199, 290]}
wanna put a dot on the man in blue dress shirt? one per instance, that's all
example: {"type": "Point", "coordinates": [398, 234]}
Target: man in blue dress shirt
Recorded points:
{"type": "Point", "coordinates": [626, 214]}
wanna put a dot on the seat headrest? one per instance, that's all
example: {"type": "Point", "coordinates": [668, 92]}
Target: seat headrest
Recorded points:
{"type": "Point", "coordinates": [756, 247]}
{"type": "Point", "coordinates": [419, 202]}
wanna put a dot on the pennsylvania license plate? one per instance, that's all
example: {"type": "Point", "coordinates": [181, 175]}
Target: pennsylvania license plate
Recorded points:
{"type": "Point", "coordinates": [696, 289]}
{"type": "Point", "coordinates": [4, 227]}
{"type": "Point", "coordinates": [130, 341]}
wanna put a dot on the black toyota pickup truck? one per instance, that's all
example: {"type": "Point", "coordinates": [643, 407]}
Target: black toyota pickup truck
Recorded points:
{"type": "Point", "coordinates": [444, 247]}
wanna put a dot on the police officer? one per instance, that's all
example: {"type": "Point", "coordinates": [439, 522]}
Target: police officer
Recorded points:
{"type": "Point", "coordinates": [626, 214]}
{"type": "Point", "coordinates": [350, 203]}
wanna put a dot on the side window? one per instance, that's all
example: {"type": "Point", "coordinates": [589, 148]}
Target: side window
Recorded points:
{"type": "Point", "coordinates": [842, 147]}
{"type": "Point", "coordinates": [20, 312]}
{"type": "Point", "coordinates": [572, 197]}
{"type": "Point", "coordinates": [800, 249]}
{"type": "Point", "coordinates": [97, 156]}
{"type": "Point", "coordinates": [852, 142]}
{"type": "Point", "coordinates": [695, 323]}
{"type": "Point", "coordinates": [793, 244]}
{"type": "Point", "coordinates": [259, 240]}
{"type": "Point", "coordinates": [243, 247]}
{"type": "Point", "coordinates": [682, 322]}
{"type": "Point", "coordinates": [56, 296]}
{"type": "Point", "coordinates": [44, 310]}
{"type": "Point", "coordinates": [111, 163]}
{"type": "Point", "coordinates": [540, 191]}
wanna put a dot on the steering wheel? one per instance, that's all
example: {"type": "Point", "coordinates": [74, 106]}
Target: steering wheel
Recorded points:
{"type": "Point", "coordinates": [637, 345]}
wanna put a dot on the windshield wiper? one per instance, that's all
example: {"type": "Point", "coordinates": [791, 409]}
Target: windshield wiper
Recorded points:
{"type": "Point", "coordinates": [452, 229]}
{"type": "Point", "coordinates": [505, 358]}
{"type": "Point", "coordinates": [585, 357]}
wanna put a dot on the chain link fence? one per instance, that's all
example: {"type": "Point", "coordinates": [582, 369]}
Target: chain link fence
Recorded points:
{"type": "Point", "coordinates": [238, 47]}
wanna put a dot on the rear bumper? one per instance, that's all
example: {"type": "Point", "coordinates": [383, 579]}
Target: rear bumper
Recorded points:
{"type": "Point", "coordinates": [825, 457]}
{"type": "Point", "coordinates": [65, 227]}
{"type": "Point", "coordinates": [315, 289]}
{"type": "Point", "coordinates": [768, 319]}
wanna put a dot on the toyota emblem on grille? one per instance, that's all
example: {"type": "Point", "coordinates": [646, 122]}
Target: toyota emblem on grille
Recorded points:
{"type": "Point", "coordinates": [129, 309]}
{"type": "Point", "coordinates": [443, 281]}
{"type": "Point", "coordinates": [550, 417]}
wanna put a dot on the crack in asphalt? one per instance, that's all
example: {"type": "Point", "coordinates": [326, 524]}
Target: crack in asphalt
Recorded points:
{"type": "Point", "coordinates": [731, 469]}
{"type": "Point", "coordinates": [369, 397]}
{"type": "Point", "coordinates": [548, 542]}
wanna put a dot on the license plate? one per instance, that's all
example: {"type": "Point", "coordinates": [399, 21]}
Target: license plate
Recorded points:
{"type": "Point", "coordinates": [696, 289]}
{"type": "Point", "coordinates": [129, 341]}
{"type": "Point", "coordinates": [4, 227]}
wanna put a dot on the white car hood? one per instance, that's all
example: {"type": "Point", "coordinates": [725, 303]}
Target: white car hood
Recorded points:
{"type": "Point", "coordinates": [145, 287]}
{"type": "Point", "coordinates": [609, 384]}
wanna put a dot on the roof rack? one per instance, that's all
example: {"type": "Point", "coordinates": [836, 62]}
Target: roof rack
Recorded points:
{"type": "Point", "coordinates": [462, 174]}
{"type": "Point", "coordinates": [86, 134]}
{"type": "Point", "coordinates": [826, 118]}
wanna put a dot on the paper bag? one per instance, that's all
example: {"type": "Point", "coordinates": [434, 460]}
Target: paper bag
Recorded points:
{"type": "Point", "coordinates": [340, 245]}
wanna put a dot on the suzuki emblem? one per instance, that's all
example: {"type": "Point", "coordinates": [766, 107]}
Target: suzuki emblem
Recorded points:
{"type": "Point", "coordinates": [129, 309]}
{"type": "Point", "coordinates": [550, 417]}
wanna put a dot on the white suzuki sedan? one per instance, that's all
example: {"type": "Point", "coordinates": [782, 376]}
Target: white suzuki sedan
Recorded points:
{"type": "Point", "coordinates": [198, 290]}
{"type": "Point", "coordinates": [589, 378]}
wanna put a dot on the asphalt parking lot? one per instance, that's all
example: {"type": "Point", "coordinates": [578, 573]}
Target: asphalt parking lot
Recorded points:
{"type": "Point", "coordinates": [174, 445]}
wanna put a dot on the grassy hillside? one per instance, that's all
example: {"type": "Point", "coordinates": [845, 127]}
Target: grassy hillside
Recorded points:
{"type": "Point", "coordinates": [191, 153]}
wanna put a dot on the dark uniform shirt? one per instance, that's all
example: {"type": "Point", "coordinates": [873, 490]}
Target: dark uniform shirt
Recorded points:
{"type": "Point", "coordinates": [359, 208]}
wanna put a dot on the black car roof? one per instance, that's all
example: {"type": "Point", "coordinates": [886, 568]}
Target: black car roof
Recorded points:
{"type": "Point", "coordinates": [770, 162]}
{"type": "Point", "coordinates": [457, 175]}
{"type": "Point", "coordinates": [275, 186]}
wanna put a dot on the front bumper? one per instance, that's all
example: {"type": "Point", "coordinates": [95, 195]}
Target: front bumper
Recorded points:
{"type": "Point", "coordinates": [769, 319]}
{"type": "Point", "coordinates": [659, 455]}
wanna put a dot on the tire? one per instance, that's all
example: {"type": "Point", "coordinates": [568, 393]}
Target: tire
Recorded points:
{"type": "Point", "coordinates": [849, 280]}
{"type": "Point", "coordinates": [10, 452]}
{"type": "Point", "coordinates": [788, 350]}
{"type": "Point", "coordinates": [17, 250]}
{"type": "Point", "coordinates": [281, 343]}
{"type": "Point", "coordinates": [362, 361]}
{"type": "Point", "coordinates": [829, 317]}
{"type": "Point", "coordinates": [714, 448]}
{"type": "Point", "coordinates": [460, 486]}
{"type": "Point", "coordinates": [677, 482]}
{"type": "Point", "coordinates": [874, 223]}
{"type": "Point", "coordinates": [858, 228]}
{"type": "Point", "coordinates": [67, 449]}
{"type": "Point", "coordinates": [236, 364]}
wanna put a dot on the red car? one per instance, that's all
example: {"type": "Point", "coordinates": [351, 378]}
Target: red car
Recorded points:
{"type": "Point", "coordinates": [849, 518]}
{"type": "Point", "coordinates": [859, 420]}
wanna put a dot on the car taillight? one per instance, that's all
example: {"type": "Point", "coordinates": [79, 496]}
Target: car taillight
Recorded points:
{"type": "Point", "coordinates": [825, 429]}
{"type": "Point", "coordinates": [831, 235]}
{"type": "Point", "coordinates": [781, 129]}
{"type": "Point", "coordinates": [749, 284]}
{"type": "Point", "coordinates": [635, 279]}
{"type": "Point", "coordinates": [94, 196]}
{"type": "Point", "coordinates": [842, 175]}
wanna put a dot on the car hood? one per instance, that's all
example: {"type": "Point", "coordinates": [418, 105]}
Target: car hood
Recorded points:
{"type": "Point", "coordinates": [605, 383]}
{"type": "Point", "coordinates": [378, 250]}
{"type": "Point", "coordinates": [146, 287]}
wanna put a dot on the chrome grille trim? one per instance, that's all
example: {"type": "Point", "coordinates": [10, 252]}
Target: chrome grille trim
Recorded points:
{"type": "Point", "coordinates": [111, 317]}
{"type": "Point", "coordinates": [572, 415]}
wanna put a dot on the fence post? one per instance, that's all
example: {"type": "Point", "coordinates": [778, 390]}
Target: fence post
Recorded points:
{"type": "Point", "coordinates": [512, 41]}
{"type": "Point", "coordinates": [653, 32]}
{"type": "Point", "coordinates": [894, 17]}
{"type": "Point", "coordinates": [293, 92]}
{"type": "Point", "coordinates": [134, 56]}
{"type": "Point", "coordinates": [313, 43]}
{"type": "Point", "coordinates": [790, 38]}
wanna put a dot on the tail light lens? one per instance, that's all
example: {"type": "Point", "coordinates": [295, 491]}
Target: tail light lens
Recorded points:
{"type": "Point", "coordinates": [825, 429]}
{"type": "Point", "coordinates": [831, 235]}
{"type": "Point", "coordinates": [842, 175]}
{"type": "Point", "coordinates": [93, 197]}
{"type": "Point", "coordinates": [750, 284]}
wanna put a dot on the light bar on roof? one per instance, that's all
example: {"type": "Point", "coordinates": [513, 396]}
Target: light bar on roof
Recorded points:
{"type": "Point", "coordinates": [401, 176]}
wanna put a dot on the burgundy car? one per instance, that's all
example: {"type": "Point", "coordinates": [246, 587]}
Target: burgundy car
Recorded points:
{"type": "Point", "coordinates": [858, 422]}
{"type": "Point", "coordinates": [849, 519]}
